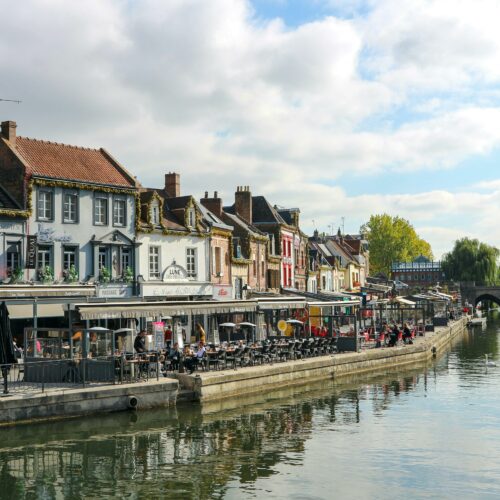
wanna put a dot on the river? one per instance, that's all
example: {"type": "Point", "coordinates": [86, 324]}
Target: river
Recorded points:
{"type": "Point", "coordinates": [432, 432]}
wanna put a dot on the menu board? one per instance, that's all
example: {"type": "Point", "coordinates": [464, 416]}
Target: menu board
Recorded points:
{"type": "Point", "coordinates": [158, 335]}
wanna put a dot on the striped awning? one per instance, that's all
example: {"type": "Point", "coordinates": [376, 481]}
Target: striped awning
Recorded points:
{"type": "Point", "coordinates": [161, 309]}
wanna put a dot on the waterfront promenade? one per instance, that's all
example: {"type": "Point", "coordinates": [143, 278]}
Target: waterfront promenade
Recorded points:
{"type": "Point", "coordinates": [62, 402]}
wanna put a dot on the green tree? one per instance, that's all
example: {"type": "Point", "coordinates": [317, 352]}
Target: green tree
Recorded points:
{"type": "Point", "coordinates": [472, 260]}
{"type": "Point", "coordinates": [392, 239]}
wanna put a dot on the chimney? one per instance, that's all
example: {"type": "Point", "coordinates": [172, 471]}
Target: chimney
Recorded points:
{"type": "Point", "coordinates": [213, 204]}
{"type": "Point", "coordinates": [243, 203]}
{"type": "Point", "coordinates": [172, 185]}
{"type": "Point", "coordinates": [9, 132]}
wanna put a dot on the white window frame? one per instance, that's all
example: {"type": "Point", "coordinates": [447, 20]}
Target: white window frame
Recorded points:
{"type": "Point", "coordinates": [191, 217]}
{"type": "Point", "coordinates": [191, 263]}
{"type": "Point", "coordinates": [154, 254]}
{"type": "Point", "coordinates": [155, 213]}
{"type": "Point", "coordinates": [125, 259]}
{"type": "Point", "coordinates": [117, 202]}
{"type": "Point", "coordinates": [45, 205]}
{"type": "Point", "coordinates": [70, 213]}
{"type": "Point", "coordinates": [46, 251]}
{"type": "Point", "coordinates": [103, 252]}
{"type": "Point", "coordinates": [68, 250]}
{"type": "Point", "coordinates": [97, 201]}
{"type": "Point", "coordinates": [13, 259]}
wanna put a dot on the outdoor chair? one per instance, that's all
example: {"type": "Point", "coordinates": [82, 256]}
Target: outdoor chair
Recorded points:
{"type": "Point", "coordinates": [272, 353]}
{"type": "Point", "coordinates": [246, 359]}
{"type": "Point", "coordinates": [233, 357]}
{"type": "Point", "coordinates": [218, 360]}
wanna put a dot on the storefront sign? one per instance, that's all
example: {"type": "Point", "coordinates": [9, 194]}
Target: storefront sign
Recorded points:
{"type": "Point", "coordinates": [13, 227]}
{"type": "Point", "coordinates": [222, 292]}
{"type": "Point", "coordinates": [31, 252]}
{"type": "Point", "coordinates": [282, 325]}
{"type": "Point", "coordinates": [47, 234]}
{"type": "Point", "coordinates": [174, 273]}
{"type": "Point", "coordinates": [174, 289]}
{"type": "Point", "coordinates": [113, 291]}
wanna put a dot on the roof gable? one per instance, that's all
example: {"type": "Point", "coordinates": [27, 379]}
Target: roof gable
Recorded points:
{"type": "Point", "coordinates": [61, 161]}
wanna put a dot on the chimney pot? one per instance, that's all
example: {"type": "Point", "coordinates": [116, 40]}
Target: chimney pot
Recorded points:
{"type": "Point", "coordinates": [243, 203]}
{"type": "Point", "coordinates": [216, 194]}
{"type": "Point", "coordinates": [206, 194]}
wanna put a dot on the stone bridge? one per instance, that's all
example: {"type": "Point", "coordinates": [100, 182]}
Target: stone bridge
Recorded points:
{"type": "Point", "coordinates": [474, 294]}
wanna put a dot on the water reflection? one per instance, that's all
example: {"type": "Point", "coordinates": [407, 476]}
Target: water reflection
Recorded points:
{"type": "Point", "coordinates": [315, 435]}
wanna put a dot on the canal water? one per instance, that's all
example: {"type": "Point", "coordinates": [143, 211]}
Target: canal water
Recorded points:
{"type": "Point", "coordinates": [430, 432]}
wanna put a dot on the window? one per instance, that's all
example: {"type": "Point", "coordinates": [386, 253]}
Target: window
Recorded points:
{"type": "Point", "coordinates": [155, 214]}
{"type": "Point", "coordinates": [254, 265]}
{"type": "Point", "coordinates": [70, 207]}
{"type": "Point", "coordinates": [191, 217]}
{"type": "Point", "coordinates": [154, 263]}
{"type": "Point", "coordinates": [119, 211]}
{"type": "Point", "coordinates": [13, 255]}
{"type": "Point", "coordinates": [262, 268]}
{"type": "Point", "coordinates": [218, 261]}
{"type": "Point", "coordinates": [45, 205]}
{"type": "Point", "coordinates": [44, 256]}
{"type": "Point", "coordinates": [103, 258]}
{"type": "Point", "coordinates": [191, 262]}
{"type": "Point", "coordinates": [100, 211]}
{"type": "Point", "coordinates": [126, 260]}
{"type": "Point", "coordinates": [69, 257]}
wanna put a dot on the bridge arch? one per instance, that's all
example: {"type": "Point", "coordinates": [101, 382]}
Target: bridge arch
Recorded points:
{"type": "Point", "coordinates": [487, 296]}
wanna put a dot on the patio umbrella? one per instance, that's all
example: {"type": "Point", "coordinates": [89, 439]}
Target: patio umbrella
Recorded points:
{"type": "Point", "coordinates": [99, 329]}
{"type": "Point", "coordinates": [123, 330]}
{"type": "Point", "coordinates": [250, 325]}
{"type": "Point", "coordinates": [246, 323]}
{"type": "Point", "coordinates": [228, 325]}
{"type": "Point", "coordinates": [294, 322]}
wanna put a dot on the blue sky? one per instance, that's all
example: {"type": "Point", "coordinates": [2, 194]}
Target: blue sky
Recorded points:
{"type": "Point", "coordinates": [344, 108]}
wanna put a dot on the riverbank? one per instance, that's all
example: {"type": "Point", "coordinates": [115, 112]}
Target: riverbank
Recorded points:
{"type": "Point", "coordinates": [220, 385]}
{"type": "Point", "coordinates": [211, 386]}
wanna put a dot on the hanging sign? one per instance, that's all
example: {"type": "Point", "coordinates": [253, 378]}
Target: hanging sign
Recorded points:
{"type": "Point", "coordinates": [31, 252]}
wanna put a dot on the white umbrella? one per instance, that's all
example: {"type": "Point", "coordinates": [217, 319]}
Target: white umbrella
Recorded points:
{"type": "Point", "coordinates": [229, 325]}
{"type": "Point", "coordinates": [294, 322]}
{"type": "Point", "coordinates": [246, 323]}
{"type": "Point", "coordinates": [123, 330]}
{"type": "Point", "coordinates": [99, 329]}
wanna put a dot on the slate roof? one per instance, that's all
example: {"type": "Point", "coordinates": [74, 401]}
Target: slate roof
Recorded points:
{"type": "Point", "coordinates": [264, 213]}
{"type": "Point", "coordinates": [6, 201]}
{"type": "Point", "coordinates": [211, 219]}
{"type": "Point", "coordinates": [62, 161]}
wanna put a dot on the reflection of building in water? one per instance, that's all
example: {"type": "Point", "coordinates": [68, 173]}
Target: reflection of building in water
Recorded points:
{"type": "Point", "coordinates": [190, 455]}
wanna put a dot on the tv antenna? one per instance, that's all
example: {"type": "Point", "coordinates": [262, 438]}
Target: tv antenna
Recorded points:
{"type": "Point", "coordinates": [12, 100]}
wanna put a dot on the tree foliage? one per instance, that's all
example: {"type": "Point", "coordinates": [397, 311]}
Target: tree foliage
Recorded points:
{"type": "Point", "coordinates": [472, 260]}
{"type": "Point", "coordinates": [392, 239]}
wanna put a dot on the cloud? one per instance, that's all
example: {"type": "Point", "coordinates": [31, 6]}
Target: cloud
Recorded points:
{"type": "Point", "coordinates": [215, 92]}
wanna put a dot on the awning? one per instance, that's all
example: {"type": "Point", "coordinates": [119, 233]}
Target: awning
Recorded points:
{"type": "Point", "coordinates": [334, 303]}
{"type": "Point", "coordinates": [407, 302]}
{"type": "Point", "coordinates": [161, 309]}
{"type": "Point", "coordinates": [281, 304]}
{"type": "Point", "coordinates": [13, 291]}
{"type": "Point", "coordinates": [25, 311]}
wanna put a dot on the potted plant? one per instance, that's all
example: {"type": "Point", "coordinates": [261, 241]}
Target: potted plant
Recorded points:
{"type": "Point", "coordinates": [16, 274]}
{"type": "Point", "coordinates": [46, 274]}
{"type": "Point", "coordinates": [71, 274]}
{"type": "Point", "coordinates": [105, 276]}
{"type": "Point", "coordinates": [128, 275]}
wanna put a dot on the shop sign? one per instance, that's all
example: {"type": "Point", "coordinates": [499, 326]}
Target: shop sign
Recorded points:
{"type": "Point", "coordinates": [118, 292]}
{"type": "Point", "coordinates": [31, 252]}
{"type": "Point", "coordinates": [47, 234]}
{"type": "Point", "coordinates": [13, 227]}
{"type": "Point", "coordinates": [282, 325]}
{"type": "Point", "coordinates": [222, 292]}
{"type": "Point", "coordinates": [159, 290]}
{"type": "Point", "coordinates": [174, 273]}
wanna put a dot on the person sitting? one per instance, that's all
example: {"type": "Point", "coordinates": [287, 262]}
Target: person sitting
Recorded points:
{"type": "Point", "coordinates": [174, 355]}
{"type": "Point", "coordinates": [407, 334]}
{"type": "Point", "coordinates": [140, 342]}
{"type": "Point", "coordinates": [193, 361]}
{"type": "Point", "coordinates": [394, 336]}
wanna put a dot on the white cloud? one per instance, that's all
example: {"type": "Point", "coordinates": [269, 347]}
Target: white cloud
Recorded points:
{"type": "Point", "coordinates": [225, 98]}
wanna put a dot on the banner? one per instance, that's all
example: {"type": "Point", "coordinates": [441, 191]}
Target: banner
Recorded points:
{"type": "Point", "coordinates": [31, 253]}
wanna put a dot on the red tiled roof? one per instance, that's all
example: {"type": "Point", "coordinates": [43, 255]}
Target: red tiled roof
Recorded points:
{"type": "Point", "coordinates": [60, 161]}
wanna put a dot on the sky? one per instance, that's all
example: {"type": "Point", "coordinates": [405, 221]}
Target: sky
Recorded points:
{"type": "Point", "coordinates": [343, 108]}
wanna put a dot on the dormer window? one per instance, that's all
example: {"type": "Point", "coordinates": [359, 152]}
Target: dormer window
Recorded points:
{"type": "Point", "coordinates": [155, 214]}
{"type": "Point", "coordinates": [191, 217]}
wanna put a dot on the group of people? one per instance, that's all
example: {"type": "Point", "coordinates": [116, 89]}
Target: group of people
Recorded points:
{"type": "Point", "coordinates": [393, 332]}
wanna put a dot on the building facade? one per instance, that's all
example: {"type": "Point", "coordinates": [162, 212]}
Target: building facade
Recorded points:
{"type": "Point", "coordinates": [421, 273]}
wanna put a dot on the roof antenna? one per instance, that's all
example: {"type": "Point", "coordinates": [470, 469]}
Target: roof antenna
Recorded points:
{"type": "Point", "coordinates": [11, 100]}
